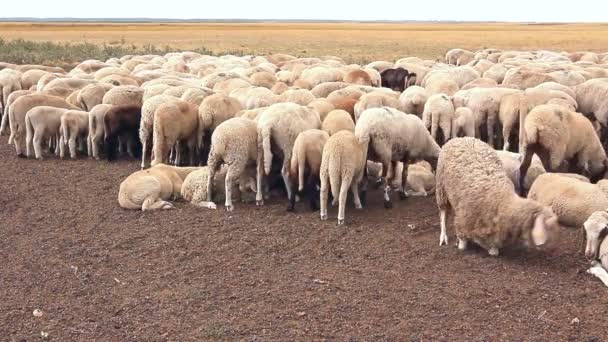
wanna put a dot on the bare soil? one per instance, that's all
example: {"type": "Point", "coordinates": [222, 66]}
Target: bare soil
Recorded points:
{"type": "Point", "coordinates": [101, 273]}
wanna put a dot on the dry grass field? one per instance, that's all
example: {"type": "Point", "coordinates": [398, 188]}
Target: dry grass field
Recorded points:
{"type": "Point", "coordinates": [356, 42]}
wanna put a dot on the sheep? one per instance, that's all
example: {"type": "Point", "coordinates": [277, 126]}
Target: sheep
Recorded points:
{"type": "Point", "coordinates": [452, 55]}
{"type": "Point", "coordinates": [420, 179]}
{"type": "Point", "coordinates": [214, 110]}
{"type": "Point", "coordinates": [147, 122]}
{"type": "Point", "coordinates": [235, 143]}
{"type": "Point", "coordinates": [227, 86]}
{"type": "Point", "coordinates": [123, 120]}
{"type": "Point", "coordinates": [592, 99]}
{"type": "Point", "coordinates": [42, 123]}
{"type": "Point", "coordinates": [74, 125]}
{"type": "Point", "coordinates": [196, 96]}
{"type": "Point", "coordinates": [496, 216]}
{"type": "Point", "coordinates": [322, 106]}
{"type": "Point", "coordinates": [123, 96]}
{"type": "Point", "coordinates": [342, 167]}
{"type": "Point", "coordinates": [397, 79]}
{"type": "Point", "coordinates": [324, 89]}
{"type": "Point", "coordinates": [524, 79]}
{"type": "Point", "coordinates": [337, 120]}
{"type": "Point", "coordinates": [571, 199]}
{"type": "Point", "coordinates": [174, 122]}
{"type": "Point", "coordinates": [556, 135]}
{"type": "Point", "coordinates": [413, 99]}
{"type": "Point", "coordinates": [300, 96]}
{"type": "Point", "coordinates": [375, 100]}
{"type": "Point", "coordinates": [306, 159]}
{"type": "Point", "coordinates": [480, 83]}
{"type": "Point", "coordinates": [511, 162]}
{"type": "Point", "coordinates": [19, 109]}
{"type": "Point", "coordinates": [194, 187]}
{"type": "Point", "coordinates": [10, 81]}
{"type": "Point", "coordinates": [278, 128]}
{"type": "Point", "coordinates": [4, 127]}
{"type": "Point", "coordinates": [393, 136]}
{"type": "Point", "coordinates": [254, 97]}
{"type": "Point", "coordinates": [463, 123]}
{"type": "Point", "coordinates": [358, 76]}
{"type": "Point", "coordinates": [263, 79]}
{"type": "Point", "coordinates": [279, 88]}
{"type": "Point", "coordinates": [596, 228]}
{"type": "Point", "coordinates": [439, 113]}
{"type": "Point", "coordinates": [152, 188]}
{"type": "Point", "coordinates": [96, 129]}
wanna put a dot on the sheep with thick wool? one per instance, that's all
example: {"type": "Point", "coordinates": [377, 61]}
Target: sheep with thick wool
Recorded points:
{"type": "Point", "coordinates": [413, 99]}
{"type": "Point", "coordinates": [234, 143]}
{"type": "Point", "coordinates": [337, 120]}
{"type": "Point", "coordinates": [147, 122]}
{"type": "Point", "coordinates": [214, 110]}
{"type": "Point", "coordinates": [463, 124]}
{"type": "Point", "coordinates": [375, 100]}
{"type": "Point", "coordinates": [392, 136]}
{"type": "Point", "coordinates": [556, 135]}
{"type": "Point", "coordinates": [496, 216]}
{"type": "Point", "coordinates": [342, 168]}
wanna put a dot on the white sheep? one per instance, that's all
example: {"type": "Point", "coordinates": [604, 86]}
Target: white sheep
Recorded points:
{"type": "Point", "coordinates": [96, 129]}
{"type": "Point", "coordinates": [463, 123]}
{"type": "Point", "coordinates": [337, 120]}
{"type": "Point", "coordinates": [42, 123]}
{"type": "Point", "coordinates": [438, 114]}
{"type": "Point", "coordinates": [413, 99]}
{"type": "Point", "coordinates": [394, 136]}
{"type": "Point", "coordinates": [495, 216]}
{"type": "Point", "coordinates": [74, 129]}
{"type": "Point", "coordinates": [342, 168]}
{"type": "Point", "coordinates": [306, 159]}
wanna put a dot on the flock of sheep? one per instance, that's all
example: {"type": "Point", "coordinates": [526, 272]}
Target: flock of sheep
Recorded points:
{"type": "Point", "coordinates": [510, 142]}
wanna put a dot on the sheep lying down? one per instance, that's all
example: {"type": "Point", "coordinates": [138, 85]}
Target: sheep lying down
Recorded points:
{"type": "Point", "coordinates": [596, 229]}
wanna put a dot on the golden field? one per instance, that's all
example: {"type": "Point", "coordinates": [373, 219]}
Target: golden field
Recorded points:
{"type": "Point", "coordinates": [356, 42]}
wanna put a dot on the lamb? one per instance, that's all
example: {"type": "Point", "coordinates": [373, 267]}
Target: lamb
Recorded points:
{"type": "Point", "coordinates": [397, 79]}
{"type": "Point", "coordinates": [19, 109]}
{"type": "Point", "coordinates": [337, 120]}
{"type": "Point", "coordinates": [194, 188]}
{"type": "Point", "coordinates": [96, 129]}
{"type": "Point", "coordinates": [571, 199]}
{"type": "Point", "coordinates": [121, 121]}
{"type": "Point", "coordinates": [511, 162]}
{"type": "Point", "coordinates": [42, 123]}
{"type": "Point", "coordinates": [74, 125]}
{"type": "Point", "coordinates": [235, 143]}
{"type": "Point", "coordinates": [413, 99]}
{"type": "Point", "coordinates": [556, 135]}
{"type": "Point", "coordinates": [173, 122]}
{"type": "Point", "coordinates": [420, 179]}
{"type": "Point", "coordinates": [306, 159]}
{"type": "Point", "coordinates": [496, 216]}
{"type": "Point", "coordinates": [393, 136]}
{"type": "Point", "coordinates": [278, 128]}
{"type": "Point", "coordinates": [439, 113]}
{"type": "Point", "coordinates": [463, 123]}
{"type": "Point", "coordinates": [342, 167]}
{"type": "Point", "coordinates": [9, 101]}
{"type": "Point", "coordinates": [151, 189]}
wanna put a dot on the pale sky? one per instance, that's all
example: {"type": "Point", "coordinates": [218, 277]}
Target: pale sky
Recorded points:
{"type": "Point", "coordinates": [462, 10]}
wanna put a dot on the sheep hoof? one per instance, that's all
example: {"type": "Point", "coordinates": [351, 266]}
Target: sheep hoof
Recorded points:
{"type": "Point", "coordinates": [388, 204]}
{"type": "Point", "coordinates": [443, 239]}
{"type": "Point", "coordinates": [167, 206]}
{"type": "Point", "coordinates": [323, 217]}
{"type": "Point", "coordinates": [21, 155]}
{"type": "Point", "coordinates": [462, 244]}
{"type": "Point", "coordinates": [403, 195]}
{"type": "Point", "coordinates": [290, 207]}
{"type": "Point", "coordinates": [493, 251]}
{"type": "Point", "coordinates": [259, 202]}
{"type": "Point", "coordinates": [229, 208]}
{"type": "Point", "coordinates": [340, 222]}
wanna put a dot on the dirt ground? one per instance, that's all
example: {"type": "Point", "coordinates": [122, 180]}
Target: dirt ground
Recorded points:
{"type": "Point", "coordinates": [100, 273]}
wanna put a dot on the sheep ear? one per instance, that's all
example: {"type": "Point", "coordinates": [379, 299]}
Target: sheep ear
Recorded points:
{"type": "Point", "coordinates": [539, 231]}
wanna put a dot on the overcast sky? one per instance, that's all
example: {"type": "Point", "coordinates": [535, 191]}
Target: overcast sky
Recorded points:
{"type": "Point", "coordinates": [463, 10]}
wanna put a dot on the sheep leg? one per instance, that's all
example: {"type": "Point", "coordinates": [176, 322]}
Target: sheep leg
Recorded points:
{"type": "Point", "coordinates": [152, 203]}
{"type": "Point", "coordinates": [313, 192]}
{"type": "Point", "coordinates": [443, 237]}
{"type": "Point", "coordinates": [37, 142]}
{"type": "Point", "coordinates": [234, 170]}
{"type": "Point", "coordinates": [342, 198]}
{"type": "Point", "coordinates": [324, 194]}
{"type": "Point", "coordinates": [490, 129]}
{"type": "Point", "coordinates": [259, 195]}
{"type": "Point", "coordinates": [403, 192]}
{"type": "Point", "coordinates": [523, 168]}
{"type": "Point", "coordinates": [462, 244]}
{"type": "Point", "coordinates": [354, 188]}
{"type": "Point", "coordinates": [72, 146]}
{"type": "Point", "coordinates": [387, 184]}
{"type": "Point", "coordinates": [493, 251]}
{"type": "Point", "coordinates": [61, 148]}
{"type": "Point", "coordinates": [144, 147]}
{"type": "Point", "coordinates": [287, 181]}
{"type": "Point", "coordinates": [205, 204]}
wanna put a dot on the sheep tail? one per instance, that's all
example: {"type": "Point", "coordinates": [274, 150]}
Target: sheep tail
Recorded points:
{"type": "Point", "coordinates": [335, 166]}
{"type": "Point", "coordinates": [434, 125]}
{"type": "Point", "coordinates": [298, 164]}
{"type": "Point", "coordinates": [265, 134]}
{"type": "Point", "coordinates": [532, 134]}
{"type": "Point", "coordinates": [65, 131]}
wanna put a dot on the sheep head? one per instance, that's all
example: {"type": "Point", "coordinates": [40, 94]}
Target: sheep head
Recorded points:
{"type": "Point", "coordinates": [595, 226]}
{"type": "Point", "coordinates": [545, 228]}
